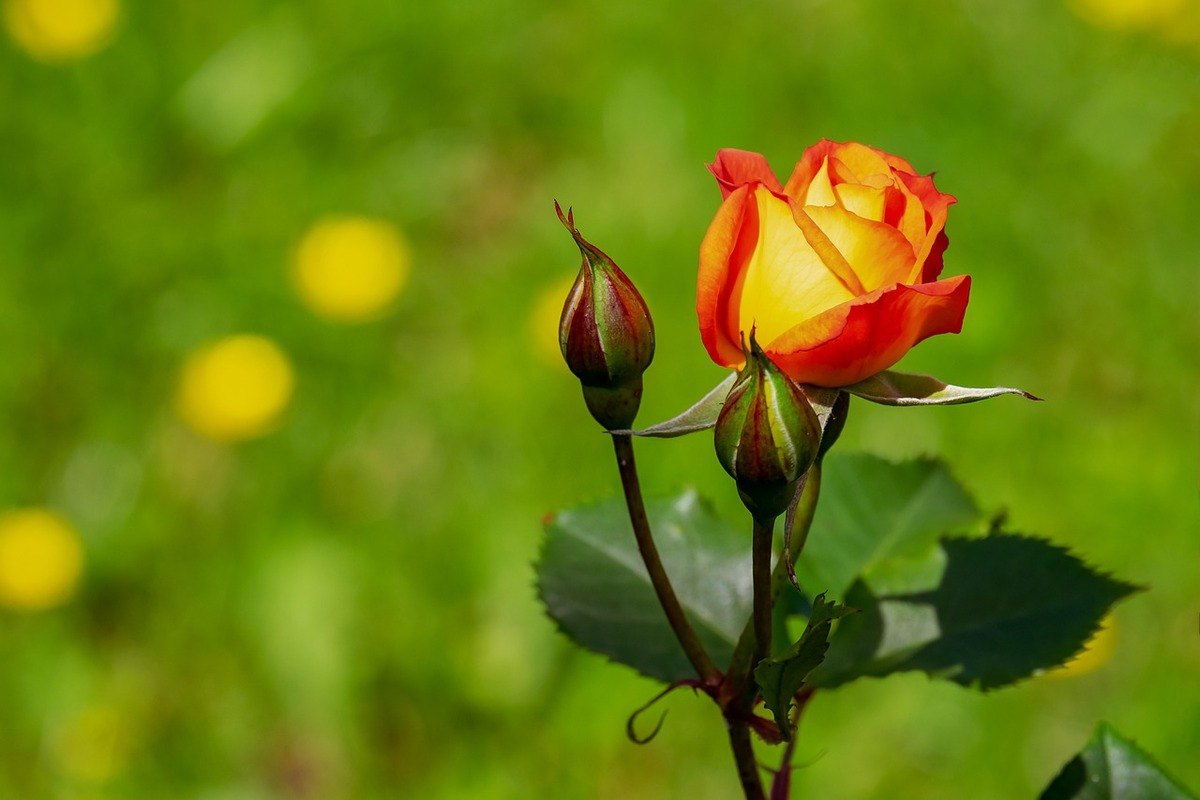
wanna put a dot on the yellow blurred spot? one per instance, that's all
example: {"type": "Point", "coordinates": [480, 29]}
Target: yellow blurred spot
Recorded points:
{"type": "Point", "coordinates": [348, 269]}
{"type": "Point", "coordinates": [1098, 652]}
{"type": "Point", "coordinates": [235, 388]}
{"type": "Point", "coordinates": [60, 30]}
{"type": "Point", "coordinates": [1184, 27]}
{"type": "Point", "coordinates": [1126, 14]}
{"type": "Point", "coordinates": [41, 559]}
{"type": "Point", "coordinates": [94, 745]}
{"type": "Point", "coordinates": [544, 319]}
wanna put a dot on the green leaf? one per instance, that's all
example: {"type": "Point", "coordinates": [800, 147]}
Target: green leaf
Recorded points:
{"type": "Point", "coordinates": [903, 389]}
{"type": "Point", "coordinates": [781, 677]}
{"type": "Point", "coordinates": [700, 417]}
{"type": "Point", "coordinates": [1111, 767]}
{"type": "Point", "coordinates": [873, 511]}
{"type": "Point", "coordinates": [592, 581]}
{"type": "Point", "coordinates": [983, 612]}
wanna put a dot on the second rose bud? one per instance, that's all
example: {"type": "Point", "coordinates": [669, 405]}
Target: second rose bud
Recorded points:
{"type": "Point", "coordinates": [767, 435]}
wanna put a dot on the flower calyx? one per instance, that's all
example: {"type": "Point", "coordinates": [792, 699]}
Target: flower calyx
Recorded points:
{"type": "Point", "coordinates": [767, 435]}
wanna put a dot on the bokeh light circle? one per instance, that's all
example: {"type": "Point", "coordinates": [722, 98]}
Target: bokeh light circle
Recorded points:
{"type": "Point", "coordinates": [1098, 652]}
{"type": "Point", "coordinates": [61, 30]}
{"type": "Point", "coordinates": [349, 268]}
{"type": "Point", "coordinates": [1126, 14]}
{"type": "Point", "coordinates": [235, 388]}
{"type": "Point", "coordinates": [41, 559]}
{"type": "Point", "coordinates": [544, 319]}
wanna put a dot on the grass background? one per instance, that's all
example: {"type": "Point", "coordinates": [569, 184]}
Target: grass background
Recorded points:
{"type": "Point", "coordinates": [344, 608]}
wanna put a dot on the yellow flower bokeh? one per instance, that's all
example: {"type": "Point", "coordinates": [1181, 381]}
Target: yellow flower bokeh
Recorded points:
{"type": "Point", "coordinates": [1098, 652]}
{"type": "Point", "coordinates": [61, 30]}
{"type": "Point", "coordinates": [41, 559]}
{"type": "Point", "coordinates": [544, 318]}
{"type": "Point", "coordinates": [235, 388]}
{"type": "Point", "coordinates": [348, 269]}
{"type": "Point", "coordinates": [1126, 14]}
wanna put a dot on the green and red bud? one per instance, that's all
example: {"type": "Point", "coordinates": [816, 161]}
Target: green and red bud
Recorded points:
{"type": "Point", "coordinates": [767, 435]}
{"type": "Point", "coordinates": [606, 334]}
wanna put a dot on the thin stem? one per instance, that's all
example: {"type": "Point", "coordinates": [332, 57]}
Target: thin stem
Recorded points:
{"type": "Point", "coordinates": [761, 553]}
{"type": "Point", "coordinates": [781, 787]}
{"type": "Point", "coordinates": [743, 757]}
{"type": "Point", "coordinates": [692, 647]}
{"type": "Point", "coordinates": [739, 666]}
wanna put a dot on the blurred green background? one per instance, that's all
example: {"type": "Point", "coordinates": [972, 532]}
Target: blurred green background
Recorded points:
{"type": "Point", "coordinates": [296, 564]}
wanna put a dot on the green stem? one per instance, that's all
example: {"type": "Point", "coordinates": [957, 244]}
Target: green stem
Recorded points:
{"type": "Point", "coordinates": [739, 666]}
{"type": "Point", "coordinates": [743, 757]}
{"type": "Point", "coordinates": [764, 530]}
{"type": "Point", "coordinates": [692, 647]}
{"type": "Point", "coordinates": [782, 785]}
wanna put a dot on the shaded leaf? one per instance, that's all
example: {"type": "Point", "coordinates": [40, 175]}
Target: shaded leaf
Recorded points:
{"type": "Point", "coordinates": [594, 585]}
{"type": "Point", "coordinates": [873, 510]}
{"type": "Point", "coordinates": [903, 389]}
{"type": "Point", "coordinates": [821, 400]}
{"type": "Point", "coordinates": [982, 612]}
{"type": "Point", "coordinates": [1111, 767]}
{"type": "Point", "coordinates": [780, 678]}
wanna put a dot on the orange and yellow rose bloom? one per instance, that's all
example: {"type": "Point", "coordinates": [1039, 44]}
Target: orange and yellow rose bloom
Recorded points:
{"type": "Point", "coordinates": [837, 270]}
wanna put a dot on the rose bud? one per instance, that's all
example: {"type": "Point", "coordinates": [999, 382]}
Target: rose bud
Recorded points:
{"type": "Point", "coordinates": [838, 268]}
{"type": "Point", "coordinates": [606, 334]}
{"type": "Point", "coordinates": [767, 435]}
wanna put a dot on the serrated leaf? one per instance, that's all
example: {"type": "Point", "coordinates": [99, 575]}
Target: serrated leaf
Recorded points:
{"type": "Point", "coordinates": [780, 678]}
{"type": "Point", "coordinates": [983, 612]}
{"type": "Point", "coordinates": [592, 581]}
{"type": "Point", "coordinates": [1111, 767]}
{"type": "Point", "coordinates": [904, 389]}
{"type": "Point", "coordinates": [873, 510]}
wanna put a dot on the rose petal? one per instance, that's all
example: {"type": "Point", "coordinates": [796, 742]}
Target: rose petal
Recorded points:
{"type": "Point", "coordinates": [908, 216]}
{"type": "Point", "coordinates": [937, 207]}
{"type": "Point", "coordinates": [865, 201]}
{"type": "Point", "coordinates": [733, 168]}
{"type": "Point", "coordinates": [820, 188]}
{"type": "Point", "coordinates": [785, 280]}
{"type": "Point", "coordinates": [724, 251]}
{"type": "Point", "coordinates": [863, 162]}
{"type": "Point", "coordinates": [810, 163]}
{"type": "Point", "coordinates": [896, 162]}
{"type": "Point", "coordinates": [878, 253]}
{"type": "Point", "coordinates": [859, 338]}
{"type": "Point", "coordinates": [758, 269]}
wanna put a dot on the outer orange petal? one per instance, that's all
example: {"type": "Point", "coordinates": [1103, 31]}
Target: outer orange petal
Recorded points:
{"type": "Point", "coordinates": [855, 340]}
{"type": "Point", "coordinates": [724, 254]}
{"type": "Point", "coordinates": [937, 208]}
{"type": "Point", "coordinates": [733, 168]}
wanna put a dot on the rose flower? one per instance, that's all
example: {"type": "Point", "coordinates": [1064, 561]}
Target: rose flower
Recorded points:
{"type": "Point", "coordinates": [836, 270]}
